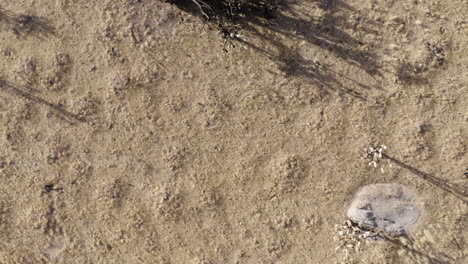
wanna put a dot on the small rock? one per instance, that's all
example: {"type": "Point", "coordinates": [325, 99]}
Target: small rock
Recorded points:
{"type": "Point", "coordinates": [393, 46]}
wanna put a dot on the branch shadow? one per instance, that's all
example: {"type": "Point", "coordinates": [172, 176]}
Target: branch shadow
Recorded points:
{"type": "Point", "coordinates": [411, 249]}
{"type": "Point", "coordinates": [292, 64]}
{"type": "Point", "coordinates": [25, 93]}
{"type": "Point", "coordinates": [24, 25]}
{"type": "Point", "coordinates": [271, 27]}
{"type": "Point", "coordinates": [327, 32]}
{"type": "Point", "coordinates": [403, 242]}
{"type": "Point", "coordinates": [459, 192]}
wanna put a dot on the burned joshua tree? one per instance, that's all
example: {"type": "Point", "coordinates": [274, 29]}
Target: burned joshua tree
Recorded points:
{"type": "Point", "coordinates": [229, 15]}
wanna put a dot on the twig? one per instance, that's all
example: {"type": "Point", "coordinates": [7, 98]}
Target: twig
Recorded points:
{"type": "Point", "coordinates": [200, 5]}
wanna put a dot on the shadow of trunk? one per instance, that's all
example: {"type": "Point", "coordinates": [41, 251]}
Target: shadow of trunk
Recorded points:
{"type": "Point", "coordinates": [449, 187]}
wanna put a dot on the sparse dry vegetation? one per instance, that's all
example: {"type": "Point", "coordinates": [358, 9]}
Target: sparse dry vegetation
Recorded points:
{"type": "Point", "coordinates": [127, 134]}
{"type": "Point", "coordinates": [228, 16]}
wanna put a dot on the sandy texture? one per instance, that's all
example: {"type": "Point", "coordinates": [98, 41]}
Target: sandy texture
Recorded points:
{"type": "Point", "coordinates": [128, 136]}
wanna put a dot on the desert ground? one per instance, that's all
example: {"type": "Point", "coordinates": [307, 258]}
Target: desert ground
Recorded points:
{"type": "Point", "coordinates": [127, 134]}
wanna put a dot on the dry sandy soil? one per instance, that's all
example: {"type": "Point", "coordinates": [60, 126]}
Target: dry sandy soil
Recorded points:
{"type": "Point", "coordinates": [128, 136]}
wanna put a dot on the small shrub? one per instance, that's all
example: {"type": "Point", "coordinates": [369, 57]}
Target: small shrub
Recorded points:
{"type": "Point", "coordinates": [229, 16]}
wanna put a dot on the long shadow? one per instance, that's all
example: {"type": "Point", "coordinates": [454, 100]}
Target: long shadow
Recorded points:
{"type": "Point", "coordinates": [326, 33]}
{"type": "Point", "coordinates": [410, 248]}
{"type": "Point", "coordinates": [23, 92]}
{"type": "Point", "coordinates": [23, 25]}
{"type": "Point", "coordinates": [402, 242]}
{"type": "Point", "coordinates": [271, 25]}
{"type": "Point", "coordinates": [315, 73]}
{"type": "Point", "coordinates": [443, 184]}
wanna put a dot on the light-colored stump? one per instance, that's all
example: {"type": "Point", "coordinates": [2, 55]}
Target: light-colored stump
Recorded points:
{"type": "Point", "coordinates": [388, 207]}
